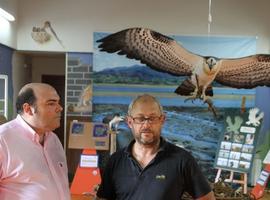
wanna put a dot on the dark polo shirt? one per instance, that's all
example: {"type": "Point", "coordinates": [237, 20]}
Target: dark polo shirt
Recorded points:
{"type": "Point", "coordinates": [166, 177]}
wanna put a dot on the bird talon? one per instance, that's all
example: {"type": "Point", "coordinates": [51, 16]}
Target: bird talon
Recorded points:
{"type": "Point", "coordinates": [211, 106]}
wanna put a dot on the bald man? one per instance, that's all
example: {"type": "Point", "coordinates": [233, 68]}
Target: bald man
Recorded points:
{"type": "Point", "coordinates": [151, 168]}
{"type": "Point", "coordinates": [32, 160]}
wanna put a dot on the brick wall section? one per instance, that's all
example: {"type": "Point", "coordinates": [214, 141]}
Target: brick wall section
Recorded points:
{"type": "Point", "coordinates": [79, 76]}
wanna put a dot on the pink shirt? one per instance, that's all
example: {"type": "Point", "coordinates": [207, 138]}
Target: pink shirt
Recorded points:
{"type": "Point", "coordinates": [28, 170]}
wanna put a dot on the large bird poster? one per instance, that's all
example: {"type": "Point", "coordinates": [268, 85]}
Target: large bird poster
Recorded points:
{"type": "Point", "coordinates": [190, 124]}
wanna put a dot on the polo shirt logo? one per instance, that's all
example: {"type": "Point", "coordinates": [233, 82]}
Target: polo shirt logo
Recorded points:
{"type": "Point", "coordinates": [160, 177]}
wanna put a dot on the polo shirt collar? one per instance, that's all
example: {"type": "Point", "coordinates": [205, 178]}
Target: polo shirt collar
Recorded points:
{"type": "Point", "coordinates": [162, 146]}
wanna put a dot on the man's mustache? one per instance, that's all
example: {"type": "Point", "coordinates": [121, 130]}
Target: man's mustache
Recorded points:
{"type": "Point", "coordinates": [145, 130]}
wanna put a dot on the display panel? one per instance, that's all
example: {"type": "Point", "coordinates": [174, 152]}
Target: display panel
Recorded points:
{"type": "Point", "coordinates": [237, 144]}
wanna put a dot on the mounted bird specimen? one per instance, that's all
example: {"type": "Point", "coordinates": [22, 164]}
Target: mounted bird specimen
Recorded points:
{"type": "Point", "coordinates": [164, 54]}
{"type": "Point", "coordinates": [40, 35]}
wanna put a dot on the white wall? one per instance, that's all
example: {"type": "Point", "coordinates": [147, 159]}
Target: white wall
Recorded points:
{"type": "Point", "coordinates": [75, 21]}
{"type": "Point", "coordinates": [8, 30]}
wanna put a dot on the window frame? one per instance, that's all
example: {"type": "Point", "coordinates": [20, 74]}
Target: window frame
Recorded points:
{"type": "Point", "coordinates": [5, 78]}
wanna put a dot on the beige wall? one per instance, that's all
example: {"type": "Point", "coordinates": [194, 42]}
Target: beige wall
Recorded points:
{"type": "Point", "coordinates": [75, 21]}
{"type": "Point", "coordinates": [21, 74]}
{"type": "Point", "coordinates": [47, 65]}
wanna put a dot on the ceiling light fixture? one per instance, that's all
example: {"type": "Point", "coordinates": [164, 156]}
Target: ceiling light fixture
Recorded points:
{"type": "Point", "coordinates": [6, 15]}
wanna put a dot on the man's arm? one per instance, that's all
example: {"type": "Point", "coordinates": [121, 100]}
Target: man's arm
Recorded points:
{"type": "Point", "coordinates": [209, 196]}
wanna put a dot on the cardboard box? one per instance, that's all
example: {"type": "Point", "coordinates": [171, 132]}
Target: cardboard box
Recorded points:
{"type": "Point", "coordinates": [88, 135]}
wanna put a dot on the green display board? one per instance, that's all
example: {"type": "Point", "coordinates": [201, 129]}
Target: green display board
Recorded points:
{"type": "Point", "coordinates": [236, 148]}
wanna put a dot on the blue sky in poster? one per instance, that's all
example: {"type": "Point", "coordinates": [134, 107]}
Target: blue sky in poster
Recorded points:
{"type": "Point", "coordinates": [218, 46]}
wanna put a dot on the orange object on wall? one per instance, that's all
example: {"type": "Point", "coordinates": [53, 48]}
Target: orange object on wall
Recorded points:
{"type": "Point", "coordinates": [86, 178]}
{"type": "Point", "coordinates": [257, 191]}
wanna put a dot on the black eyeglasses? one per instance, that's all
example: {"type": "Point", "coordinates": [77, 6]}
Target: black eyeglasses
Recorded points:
{"type": "Point", "coordinates": [150, 120]}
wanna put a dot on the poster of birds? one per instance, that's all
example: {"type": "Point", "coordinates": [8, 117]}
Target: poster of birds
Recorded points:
{"type": "Point", "coordinates": [186, 73]}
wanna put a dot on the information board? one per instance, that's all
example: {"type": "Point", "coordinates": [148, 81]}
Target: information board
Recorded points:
{"type": "Point", "coordinates": [237, 144]}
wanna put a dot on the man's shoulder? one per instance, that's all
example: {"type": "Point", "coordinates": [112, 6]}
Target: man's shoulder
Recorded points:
{"type": "Point", "coordinates": [119, 154]}
{"type": "Point", "coordinates": [177, 151]}
{"type": "Point", "coordinates": [8, 128]}
{"type": "Point", "coordinates": [169, 146]}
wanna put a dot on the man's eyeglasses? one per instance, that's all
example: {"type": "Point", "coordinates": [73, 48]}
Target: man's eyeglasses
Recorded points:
{"type": "Point", "coordinates": [150, 120]}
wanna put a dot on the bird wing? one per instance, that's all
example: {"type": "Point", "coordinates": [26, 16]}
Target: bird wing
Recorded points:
{"type": "Point", "coordinates": [153, 49]}
{"type": "Point", "coordinates": [247, 72]}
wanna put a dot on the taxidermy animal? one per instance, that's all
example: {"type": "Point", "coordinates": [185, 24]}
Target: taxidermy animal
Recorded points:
{"type": "Point", "coordinates": [164, 54]}
{"type": "Point", "coordinates": [86, 96]}
{"type": "Point", "coordinates": [40, 35]}
{"type": "Point", "coordinates": [113, 121]}
{"type": "Point", "coordinates": [234, 127]}
{"type": "Point", "coordinates": [254, 117]}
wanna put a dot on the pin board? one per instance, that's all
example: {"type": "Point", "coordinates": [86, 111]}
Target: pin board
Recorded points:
{"type": "Point", "coordinates": [88, 135]}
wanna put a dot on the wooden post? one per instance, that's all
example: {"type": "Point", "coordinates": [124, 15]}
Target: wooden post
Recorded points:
{"type": "Point", "coordinates": [112, 142]}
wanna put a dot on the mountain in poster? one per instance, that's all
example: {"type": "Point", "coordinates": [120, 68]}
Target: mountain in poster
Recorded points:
{"type": "Point", "coordinates": [137, 74]}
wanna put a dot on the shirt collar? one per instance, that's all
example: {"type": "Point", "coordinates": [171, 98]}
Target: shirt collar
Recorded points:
{"type": "Point", "coordinates": [162, 146]}
{"type": "Point", "coordinates": [29, 131]}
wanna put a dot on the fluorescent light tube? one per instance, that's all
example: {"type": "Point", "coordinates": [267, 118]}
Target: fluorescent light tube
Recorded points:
{"type": "Point", "coordinates": [6, 15]}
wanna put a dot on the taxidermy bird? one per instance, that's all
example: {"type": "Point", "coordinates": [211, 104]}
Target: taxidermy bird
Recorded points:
{"type": "Point", "coordinates": [164, 54]}
{"type": "Point", "coordinates": [39, 34]}
{"type": "Point", "coordinates": [113, 122]}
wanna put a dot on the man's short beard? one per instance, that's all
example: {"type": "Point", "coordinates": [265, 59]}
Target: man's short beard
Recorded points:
{"type": "Point", "coordinates": [139, 139]}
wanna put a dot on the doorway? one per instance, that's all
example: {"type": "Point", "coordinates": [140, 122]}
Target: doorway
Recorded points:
{"type": "Point", "coordinates": [58, 82]}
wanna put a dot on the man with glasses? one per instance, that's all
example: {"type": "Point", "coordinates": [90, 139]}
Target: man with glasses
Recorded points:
{"type": "Point", "coordinates": [150, 168]}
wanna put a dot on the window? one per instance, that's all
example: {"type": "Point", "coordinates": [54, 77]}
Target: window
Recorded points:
{"type": "Point", "coordinates": [4, 95]}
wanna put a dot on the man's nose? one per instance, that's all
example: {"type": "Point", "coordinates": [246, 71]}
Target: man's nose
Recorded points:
{"type": "Point", "coordinates": [59, 108]}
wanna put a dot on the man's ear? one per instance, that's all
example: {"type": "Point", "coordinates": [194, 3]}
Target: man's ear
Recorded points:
{"type": "Point", "coordinates": [163, 118]}
{"type": "Point", "coordinates": [128, 121]}
{"type": "Point", "coordinates": [27, 109]}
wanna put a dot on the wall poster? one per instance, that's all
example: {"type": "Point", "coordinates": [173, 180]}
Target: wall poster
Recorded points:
{"type": "Point", "coordinates": [117, 80]}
